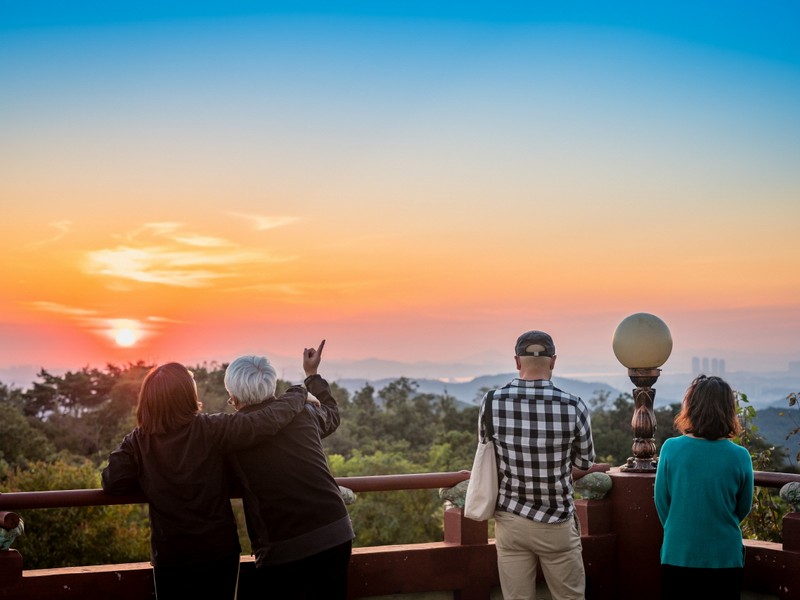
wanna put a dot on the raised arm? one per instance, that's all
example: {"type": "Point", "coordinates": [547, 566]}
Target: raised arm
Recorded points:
{"type": "Point", "coordinates": [327, 412]}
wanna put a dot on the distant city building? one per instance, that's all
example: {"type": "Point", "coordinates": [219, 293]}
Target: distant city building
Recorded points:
{"type": "Point", "coordinates": [710, 366]}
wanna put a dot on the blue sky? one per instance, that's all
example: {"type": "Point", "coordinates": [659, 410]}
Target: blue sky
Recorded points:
{"type": "Point", "coordinates": [765, 29]}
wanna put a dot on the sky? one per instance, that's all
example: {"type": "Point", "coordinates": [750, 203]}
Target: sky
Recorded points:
{"type": "Point", "coordinates": [417, 182]}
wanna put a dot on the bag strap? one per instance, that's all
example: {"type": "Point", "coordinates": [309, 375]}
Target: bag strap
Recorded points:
{"type": "Point", "coordinates": [488, 426]}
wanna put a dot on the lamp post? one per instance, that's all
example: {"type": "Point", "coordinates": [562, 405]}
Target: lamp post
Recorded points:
{"type": "Point", "coordinates": [642, 343]}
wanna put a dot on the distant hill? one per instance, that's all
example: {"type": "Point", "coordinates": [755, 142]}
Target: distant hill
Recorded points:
{"type": "Point", "coordinates": [467, 393]}
{"type": "Point", "coordinates": [774, 424]}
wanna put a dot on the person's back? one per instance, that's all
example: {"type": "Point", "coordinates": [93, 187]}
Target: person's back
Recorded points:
{"type": "Point", "coordinates": [291, 500]}
{"type": "Point", "coordinates": [296, 518]}
{"type": "Point", "coordinates": [702, 472]}
{"type": "Point", "coordinates": [540, 434]}
{"type": "Point", "coordinates": [175, 456]}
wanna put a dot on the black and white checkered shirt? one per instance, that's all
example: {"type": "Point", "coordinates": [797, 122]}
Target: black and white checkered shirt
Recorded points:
{"type": "Point", "coordinates": [540, 434]}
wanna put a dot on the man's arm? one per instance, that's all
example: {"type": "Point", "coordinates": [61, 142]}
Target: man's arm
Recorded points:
{"type": "Point", "coordinates": [595, 468]}
{"type": "Point", "coordinates": [237, 431]}
{"type": "Point", "coordinates": [327, 412]}
{"type": "Point", "coordinates": [583, 454]}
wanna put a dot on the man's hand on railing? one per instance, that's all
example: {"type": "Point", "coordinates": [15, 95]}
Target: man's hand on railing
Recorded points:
{"type": "Point", "coordinates": [595, 468]}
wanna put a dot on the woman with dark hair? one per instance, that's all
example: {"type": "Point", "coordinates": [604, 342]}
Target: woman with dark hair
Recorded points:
{"type": "Point", "coordinates": [175, 456]}
{"type": "Point", "coordinates": [703, 491]}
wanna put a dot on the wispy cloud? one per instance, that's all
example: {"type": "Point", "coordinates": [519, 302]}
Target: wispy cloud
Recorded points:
{"type": "Point", "coordinates": [203, 241]}
{"type": "Point", "coordinates": [158, 265]}
{"type": "Point", "coordinates": [163, 254]}
{"type": "Point", "coordinates": [62, 309]}
{"type": "Point", "coordinates": [154, 319]}
{"type": "Point", "coordinates": [264, 222]}
{"type": "Point", "coordinates": [62, 228]}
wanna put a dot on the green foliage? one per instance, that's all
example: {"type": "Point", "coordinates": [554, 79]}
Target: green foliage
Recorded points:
{"type": "Point", "coordinates": [793, 400]}
{"type": "Point", "coordinates": [62, 537]}
{"type": "Point", "coordinates": [211, 387]}
{"type": "Point", "coordinates": [611, 426]}
{"type": "Point", "coordinates": [765, 519]}
{"type": "Point", "coordinates": [21, 440]}
{"type": "Point", "coordinates": [87, 412]}
{"type": "Point", "coordinates": [400, 419]}
{"type": "Point", "coordinates": [380, 518]}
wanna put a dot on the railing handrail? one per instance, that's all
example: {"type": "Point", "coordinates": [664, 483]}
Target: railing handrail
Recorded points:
{"type": "Point", "coordinates": [365, 483]}
{"type": "Point", "coordinates": [97, 497]}
{"type": "Point", "coordinates": [774, 480]}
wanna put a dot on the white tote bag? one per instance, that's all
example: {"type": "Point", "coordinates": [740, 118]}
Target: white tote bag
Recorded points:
{"type": "Point", "coordinates": [481, 498]}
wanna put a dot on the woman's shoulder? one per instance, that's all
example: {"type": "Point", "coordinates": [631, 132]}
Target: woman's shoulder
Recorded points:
{"type": "Point", "coordinates": [674, 441]}
{"type": "Point", "coordinates": [740, 451]}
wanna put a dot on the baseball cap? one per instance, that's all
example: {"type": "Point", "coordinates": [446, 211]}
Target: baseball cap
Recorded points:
{"type": "Point", "coordinates": [535, 337]}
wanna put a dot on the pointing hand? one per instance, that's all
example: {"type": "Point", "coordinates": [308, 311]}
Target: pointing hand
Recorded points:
{"type": "Point", "coordinates": [311, 358]}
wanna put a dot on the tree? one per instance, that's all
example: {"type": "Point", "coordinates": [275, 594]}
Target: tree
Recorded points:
{"type": "Point", "coordinates": [766, 516]}
{"type": "Point", "coordinates": [793, 399]}
{"type": "Point", "coordinates": [20, 440]}
{"type": "Point", "coordinates": [63, 537]}
{"type": "Point", "coordinates": [362, 425]}
{"type": "Point", "coordinates": [74, 393]}
{"type": "Point", "coordinates": [401, 517]}
{"type": "Point", "coordinates": [92, 409]}
{"type": "Point", "coordinates": [211, 387]}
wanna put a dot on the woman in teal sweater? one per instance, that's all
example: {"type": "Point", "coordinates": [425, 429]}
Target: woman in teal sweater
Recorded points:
{"type": "Point", "coordinates": [703, 491]}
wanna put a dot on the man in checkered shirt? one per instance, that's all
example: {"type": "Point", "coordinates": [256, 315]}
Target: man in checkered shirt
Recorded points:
{"type": "Point", "coordinates": [541, 434]}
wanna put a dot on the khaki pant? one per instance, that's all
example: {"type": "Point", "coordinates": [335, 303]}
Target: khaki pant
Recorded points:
{"type": "Point", "coordinates": [523, 544]}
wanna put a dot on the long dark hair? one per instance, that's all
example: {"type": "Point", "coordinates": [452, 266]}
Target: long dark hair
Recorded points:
{"type": "Point", "coordinates": [167, 399]}
{"type": "Point", "coordinates": [709, 410]}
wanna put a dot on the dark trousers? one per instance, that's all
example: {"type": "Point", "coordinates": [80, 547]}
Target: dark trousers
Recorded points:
{"type": "Point", "coordinates": [321, 576]}
{"type": "Point", "coordinates": [207, 579]}
{"type": "Point", "coordinates": [684, 583]}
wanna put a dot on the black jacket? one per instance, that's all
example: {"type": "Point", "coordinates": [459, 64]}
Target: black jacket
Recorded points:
{"type": "Point", "coordinates": [184, 478]}
{"type": "Point", "coordinates": [293, 506]}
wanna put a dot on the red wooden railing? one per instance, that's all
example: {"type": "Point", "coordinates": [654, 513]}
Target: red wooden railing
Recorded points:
{"type": "Point", "coordinates": [621, 536]}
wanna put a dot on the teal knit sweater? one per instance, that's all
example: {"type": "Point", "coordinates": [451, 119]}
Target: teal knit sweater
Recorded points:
{"type": "Point", "coordinates": [703, 491]}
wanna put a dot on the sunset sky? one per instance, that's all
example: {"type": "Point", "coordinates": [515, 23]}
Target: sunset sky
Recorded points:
{"type": "Point", "coordinates": [412, 181]}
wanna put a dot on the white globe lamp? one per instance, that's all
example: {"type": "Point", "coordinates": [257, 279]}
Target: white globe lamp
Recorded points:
{"type": "Point", "coordinates": [642, 342]}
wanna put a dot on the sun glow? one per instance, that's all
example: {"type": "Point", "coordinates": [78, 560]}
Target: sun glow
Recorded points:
{"type": "Point", "coordinates": [125, 333]}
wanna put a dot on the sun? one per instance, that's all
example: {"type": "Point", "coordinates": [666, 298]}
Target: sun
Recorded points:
{"type": "Point", "coordinates": [125, 332]}
{"type": "Point", "coordinates": [125, 337]}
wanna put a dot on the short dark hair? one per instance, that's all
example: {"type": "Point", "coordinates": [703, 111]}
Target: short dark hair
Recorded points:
{"type": "Point", "coordinates": [709, 409]}
{"type": "Point", "coordinates": [167, 399]}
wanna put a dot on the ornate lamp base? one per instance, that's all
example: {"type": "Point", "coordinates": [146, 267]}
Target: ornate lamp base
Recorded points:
{"type": "Point", "coordinates": [643, 422]}
{"type": "Point", "coordinates": [640, 465]}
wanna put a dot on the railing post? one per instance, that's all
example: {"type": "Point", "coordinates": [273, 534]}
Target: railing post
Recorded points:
{"type": "Point", "coordinates": [599, 547]}
{"type": "Point", "coordinates": [10, 569]}
{"type": "Point", "coordinates": [10, 560]}
{"type": "Point", "coordinates": [791, 532]}
{"type": "Point", "coordinates": [639, 535]}
{"type": "Point", "coordinates": [458, 529]}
